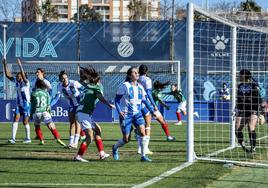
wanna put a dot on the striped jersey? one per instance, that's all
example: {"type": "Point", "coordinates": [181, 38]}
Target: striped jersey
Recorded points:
{"type": "Point", "coordinates": [71, 92]}
{"type": "Point", "coordinates": [146, 82]}
{"type": "Point", "coordinates": [23, 93]}
{"type": "Point", "coordinates": [132, 97]}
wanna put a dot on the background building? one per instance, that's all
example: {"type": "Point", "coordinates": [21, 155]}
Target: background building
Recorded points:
{"type": "Point", "coordinates": [110, 10]}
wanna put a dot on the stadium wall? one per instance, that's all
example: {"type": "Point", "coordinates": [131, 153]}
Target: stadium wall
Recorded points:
{"type": "Point", "coordinates": [214, 111]}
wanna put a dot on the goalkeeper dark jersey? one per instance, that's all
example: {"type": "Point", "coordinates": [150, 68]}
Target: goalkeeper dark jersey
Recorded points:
{"type": "Point", "coordinates": [248, 98]}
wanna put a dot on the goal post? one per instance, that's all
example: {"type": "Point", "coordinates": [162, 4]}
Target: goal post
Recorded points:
{"type": "Point", "coordinates": [217, 49]}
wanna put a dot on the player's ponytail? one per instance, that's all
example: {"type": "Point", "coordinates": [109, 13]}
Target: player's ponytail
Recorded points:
{"type": "Point", "coordinates": [160, 85]}
{"type": "Point", "coordinates": [143, 69]}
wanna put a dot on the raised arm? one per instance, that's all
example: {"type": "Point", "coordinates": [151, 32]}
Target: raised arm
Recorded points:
{"type": "Point", "coordinates": [25, 80]}
{"type": "Point", "coordinates": [7, 72]}
{"type": "Point", "coordinates": [104, 101]}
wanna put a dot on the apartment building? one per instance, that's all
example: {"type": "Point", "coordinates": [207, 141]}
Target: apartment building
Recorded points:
{"type": "Point", "coordinates": [110, 10]}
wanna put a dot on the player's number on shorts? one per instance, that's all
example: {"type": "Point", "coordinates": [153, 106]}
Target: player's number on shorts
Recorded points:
{"type": "Point", "coordinates": [41, 102]}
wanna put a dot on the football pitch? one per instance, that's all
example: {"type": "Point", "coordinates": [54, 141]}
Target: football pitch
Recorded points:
{"type": "Point", "coordinates": [51, 165]}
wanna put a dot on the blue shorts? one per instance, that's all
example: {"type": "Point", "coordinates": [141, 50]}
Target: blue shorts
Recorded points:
{"type": "Point", "coordinates": [126, 124]}
{"type": "Point", "coordinates": [72, 109]}
{"type": "Point", "coordinates": [145, 111]}
{"type": "Point", "coordinates": [23, 111]}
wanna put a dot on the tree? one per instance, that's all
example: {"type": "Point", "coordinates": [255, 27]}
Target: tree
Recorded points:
{"type": "Point", "coordinates": [137, 10]}
{"type": "Point", "coordinates": [47, 11]}
{"type": "Point", "coordinates": [165, 9]}
{"type": "Point", "coordinates": [223, 6]}
{"type": "Point", "coordinates": [9, 10]}
{"type": "Point", "coordinates": [250, 6]}
{"type": "Point", "coordinates": [87, 14]}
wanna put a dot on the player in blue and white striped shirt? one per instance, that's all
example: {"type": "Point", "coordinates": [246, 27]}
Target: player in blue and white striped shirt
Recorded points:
{"type": "Point", "coordinates": [71, 90]}
{"type": "Point", "coordinates": [129, 99]}
{"type": "Point", "coordinates": [23, 101]}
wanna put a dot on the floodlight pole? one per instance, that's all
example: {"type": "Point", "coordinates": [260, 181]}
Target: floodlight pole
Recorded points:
{"type": "Point", "coordinates": [4, 26]}
{"type": "Point", "coordinates": [190, 81]}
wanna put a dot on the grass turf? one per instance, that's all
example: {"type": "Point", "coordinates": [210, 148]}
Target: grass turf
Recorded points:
{"type": "Point", "coordinates": [52, 165]}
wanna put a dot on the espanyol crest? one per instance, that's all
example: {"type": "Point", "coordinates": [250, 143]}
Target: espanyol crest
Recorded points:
{"type": "Point", "coordinates": [125, 48]}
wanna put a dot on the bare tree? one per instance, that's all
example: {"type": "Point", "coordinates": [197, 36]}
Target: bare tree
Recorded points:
{"type": "Point", "coordinates": [165, 9]}
{"type": "Point", "coordinates": [224, 6]}
{"type": "Point", "coordinates": [10, 9]}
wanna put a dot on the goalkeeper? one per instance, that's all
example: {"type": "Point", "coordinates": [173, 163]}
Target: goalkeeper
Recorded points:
{"type": "Point", "coordinates": [247, 109]}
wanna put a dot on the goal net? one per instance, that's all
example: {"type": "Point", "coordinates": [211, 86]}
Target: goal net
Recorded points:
{"type": "Point", "coordinates": [217, 49]}
{"type": "Point", "coordinates": [112, 73]}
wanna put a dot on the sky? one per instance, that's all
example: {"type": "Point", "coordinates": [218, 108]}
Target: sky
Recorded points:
{"type": "Point", "coordinates": [262, 3]}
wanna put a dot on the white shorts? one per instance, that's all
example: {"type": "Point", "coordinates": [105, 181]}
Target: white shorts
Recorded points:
{"type": "Point", "coordinates": [182, 107]}
{"type": "Point", "coordinates": [42, 116]}
{"type": "Point", "coordinates": [86, 121]}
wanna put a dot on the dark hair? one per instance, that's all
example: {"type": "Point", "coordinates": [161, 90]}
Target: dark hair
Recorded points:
{"type": "Point", "coordinates": [89, 75]}
{"type": "Point", "coordinates": [61, 74]}
{"type": "Point", "coordinates": [160, 85]}
{"type": "Point", "coordinates": [26, 75]}
{"type": "Point", "coordinates": [41, 70]}
{"type": "Point", "coordinates": [40, 84]}
{"type": "Point", "coordinates": [246, 73]}
{"type": "Point", "coordinates": [129, 72]}
{"type": "Point", "coordinates": [143, 69]}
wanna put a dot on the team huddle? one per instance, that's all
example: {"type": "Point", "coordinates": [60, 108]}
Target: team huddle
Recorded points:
{"type": "Point", "coordinates": [136, 102]}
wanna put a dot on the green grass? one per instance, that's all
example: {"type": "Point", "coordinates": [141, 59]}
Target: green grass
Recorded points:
{"type": "Point", "coordinates": [53, 164]}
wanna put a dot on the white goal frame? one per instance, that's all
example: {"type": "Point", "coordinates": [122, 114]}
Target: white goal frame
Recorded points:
{"type": "Point", "coordinates": [191, 157]}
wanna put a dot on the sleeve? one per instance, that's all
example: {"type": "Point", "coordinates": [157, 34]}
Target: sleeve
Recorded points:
{"type": "Point", "coordinates": [78, 85]}
{"type": "Point", "coordinates": [121, 90]}
{"type": "Point", "coordinates": [33, 104]}
{"type": "Point", "coordinates": [150, 97]}
{"type": "Point", "coordinates": [48, 84]}
{"type": "Point", "coordinates": [48, 102]}
{"type": "Point", "coordinates": [55, 99]}
{"type": "Point", "coordinates": [117, 103]}
{"type": "Point", "coordinates": [148, 84]}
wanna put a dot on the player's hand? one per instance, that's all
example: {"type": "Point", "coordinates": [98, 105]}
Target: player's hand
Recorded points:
{"type": "Point", "coordinates": [112, 106]}
{"type": "Point", "coordinates": [122, 115]}
{"type": "Point", "coordinates": [4, 61]}
{"type": "Point", "coordinates": [155, 108]}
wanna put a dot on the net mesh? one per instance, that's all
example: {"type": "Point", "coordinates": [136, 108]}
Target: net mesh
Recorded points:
{"type": "Point", "coordinates": [112, 74]}
{"type": "Point", "coordinates": [212, 70]}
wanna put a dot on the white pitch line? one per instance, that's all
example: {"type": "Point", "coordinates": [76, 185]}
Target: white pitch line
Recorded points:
{"type": "Point", "coordinates": [66, 184]}
{"type": "Point", "coordinates": [162, 176]}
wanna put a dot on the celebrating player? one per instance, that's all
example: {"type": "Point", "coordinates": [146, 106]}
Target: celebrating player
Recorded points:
{"type": "Point", "coordinates": [40, 108]}
{"type": "Point", "coordinates": [23, 101]}
{"type": "Point", "coordinates": [177, 94]}
{"type": "Point", "coordinates": [71, 90]}
{"type": "Point", "coordinates": [128, 101]}
{"type": "Point", "coordinates": [247, 109]}
{"type": "Point", "coordinates": [90, 96]}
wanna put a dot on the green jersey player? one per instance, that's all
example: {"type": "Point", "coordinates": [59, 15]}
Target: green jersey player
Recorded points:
{"type": "Point", "coordinates": [40, 111]}
{"type": "Point", "coordinates": [84, 113]}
